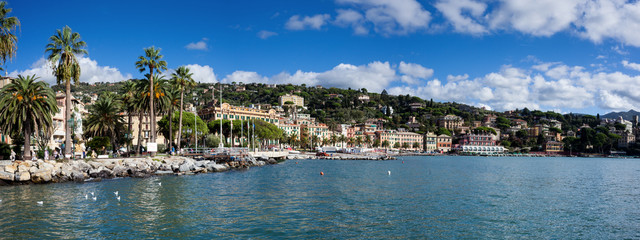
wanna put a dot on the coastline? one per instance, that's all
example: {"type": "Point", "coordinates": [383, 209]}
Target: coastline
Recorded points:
{"type": "Point", "coordinates": [43, 172]}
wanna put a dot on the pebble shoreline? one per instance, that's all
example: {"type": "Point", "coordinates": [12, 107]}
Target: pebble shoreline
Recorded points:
{"type": "Point", "coordinates": [40, 171]}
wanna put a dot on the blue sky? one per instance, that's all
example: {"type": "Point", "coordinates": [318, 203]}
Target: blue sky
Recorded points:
{"type": "Point", "coordinates": [566, 56]}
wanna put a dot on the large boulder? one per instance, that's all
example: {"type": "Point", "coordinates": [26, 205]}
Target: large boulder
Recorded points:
{"type": "Point", "coordinates": [7, 176]}
{"type": "Point", "coordinates": [41, 176]}
{"type": "Point", "coordinates": [186, 167]}
{"type": "Point", "coordinates": [120, 171]}
{"type": "Point", "coordinates": [22, 176]}
{"type": "Point", "coordinates": [10, 168]}
{"type": "Point", "coordinates": [66, 170]}
{"type": "Point", "coordinates": [46, 166]}
{"type": "Point", "coordinates": [95, 164]}
{"type": "Point", "coordinates": [101, 172]}
{"type": "Point", "coordinates": [81, 166]}
{"type": "Point", "coordinates": [23, 167]}
{"type": "Point", "coordinates": [77, 176]}
{"type": "Point", "coordinates": [212, 167]}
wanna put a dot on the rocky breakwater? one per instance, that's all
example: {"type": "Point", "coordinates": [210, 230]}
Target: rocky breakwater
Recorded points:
{"type": "Point", "coordinates": [26, 172]}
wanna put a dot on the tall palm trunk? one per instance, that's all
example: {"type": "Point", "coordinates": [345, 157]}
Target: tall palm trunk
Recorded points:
{"type": "Point", "coordinates": [129, 129]}
{"type": "Point", "coordinates": [180, 119]}
{"type": "Point", "coordinates": [171, 126]}
{"type": "Point", "coordinates": [67, 117]}
{"type": "Point", "coordinates": [27, 143]}
{"type": "Point", "coordinates": [152, 112]}
{"type": "Point", "coordinates": [139, 132]}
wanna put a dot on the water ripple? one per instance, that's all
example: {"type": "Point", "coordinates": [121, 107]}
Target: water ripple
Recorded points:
{"type": "Point", "coordinates": [426, 197]}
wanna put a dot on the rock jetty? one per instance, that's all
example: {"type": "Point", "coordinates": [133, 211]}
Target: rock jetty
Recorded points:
{"type": "Point", "coordinates": [27, 172]}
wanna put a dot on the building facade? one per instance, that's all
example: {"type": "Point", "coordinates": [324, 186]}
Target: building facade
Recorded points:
{"type": "Point", "coordinates": [450, 122]}
{"type": "Point", "coordinates": [444, 143]}
{"type": "Point", "coordinates": [229, 112]}
{"type": "Point", "coordinates": [484, 144]}
{"type": "Point", "coordinates": [553, 147]}
{"type": "Point", "coordinates": [430, 142]}
{"type": "Point", "coordinates": [402, 138]}
{"type": "Point", "coordinates": [297, 100]}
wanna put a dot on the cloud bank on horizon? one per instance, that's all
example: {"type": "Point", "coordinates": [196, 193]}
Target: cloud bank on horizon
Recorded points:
{"type": "Point", "coordinates": [542, 85]}
{"type": "Point", "coordinates": [595, 20]}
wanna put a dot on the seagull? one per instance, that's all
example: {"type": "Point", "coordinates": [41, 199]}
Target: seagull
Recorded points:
{"type": "Point", "coordinates": [92, 194]}
{"type": "Point", "coordinates": [389, 172]}
{"type": "Point", "coordinates": [95, 198]}
{"type": "Point", "coordinates": [116, 193]}
{"type": "Point", "coordinates": [159, 184]}
{"type": "Point", "coordinates": [118, 198]}
{"type": "Point", "coordinates": [40, 202]}
{"type": "Point", "coordinates": [86, 196]}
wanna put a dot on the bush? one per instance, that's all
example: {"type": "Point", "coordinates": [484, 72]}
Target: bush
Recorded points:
{"type": "Point", "coordinates": [99, 144]}
{"type": "Point", "coordinates": [5, 151]}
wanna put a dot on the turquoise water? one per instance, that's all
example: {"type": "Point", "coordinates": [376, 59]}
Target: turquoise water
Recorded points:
{"type": "Point", "coordinates": [424, 197]}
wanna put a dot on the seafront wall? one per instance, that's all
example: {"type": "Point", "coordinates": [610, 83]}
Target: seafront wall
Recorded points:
{"type": "Point", "coordinates": [38, 172]}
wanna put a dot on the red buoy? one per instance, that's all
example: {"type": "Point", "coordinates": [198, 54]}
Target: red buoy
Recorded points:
{"type": "Point", "coordinates": [321, 173]}
{"type": "Point", "coordinates": [402, 161]}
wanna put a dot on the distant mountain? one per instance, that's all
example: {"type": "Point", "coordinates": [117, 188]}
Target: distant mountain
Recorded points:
{"type": "Point", "coordinates": [625, 115]}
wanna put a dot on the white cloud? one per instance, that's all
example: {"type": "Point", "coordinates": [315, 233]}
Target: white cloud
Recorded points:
{"type": "Point", "coordinates": [374, 76]}
{"type": "Point", "coordinates": [452, 78]}
{"type": "Point", "coordinates": [202, 74]}
{"type": "Point", "coordinates": [245, 77]}
{"type": "Point", "coordinates": [456, 10]}
{"type": "Point", "coordinates": [392, 16]}
{"type": "Point", "coordinates": [91, 72]}
{"type": "Point", "coordinates": [615, 19]}
{"type": "Point", "coordinates": [545, 86]}
{"type": "Point", "coordinates": [264, 34]}
{"type": "Point", "coordinates": [350, 17]}
{"type": "Point", "coordinates": [630, 65]}
{"type": "Point", "coordinates": [535, 17]}
{"type": "Point", "coordinates": [314, 22]}
{"type": "Point", "coordinates": [200, 45]}
{"type": "Point", "coordinates": [414, 72]}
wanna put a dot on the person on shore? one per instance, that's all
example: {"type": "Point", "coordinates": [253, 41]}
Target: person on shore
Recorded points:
{"type": "Point", "coordinates": [93, 154]}
{"type": "Point", "coordinates": [46, 154]}
{"type": "Point", "coordinates": [12, 157]}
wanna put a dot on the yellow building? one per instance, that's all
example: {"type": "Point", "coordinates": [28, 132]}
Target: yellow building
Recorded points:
{"type": "Point", "coordinates": [228, 112]}
{"type": "Point", "coordinates": [77, 113]}
{"type": "Point", "coordinates": [401, 138]}
{"type": "Point", "coordinates": [450, 122]}
{"type": "Point", "coordinates": [290, 129]}
{"type": "Point", "coordinates": [146, 130]}
{"type": "Point", "coordinates": [320, 130]}
{"type": "Point", "coordinates": [297, 100]}
{"type": "Point", "coordinates": [431, 142]}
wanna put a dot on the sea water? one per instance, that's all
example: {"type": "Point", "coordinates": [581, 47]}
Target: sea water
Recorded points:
{"type": "Point", "coordinates": [408, 198]}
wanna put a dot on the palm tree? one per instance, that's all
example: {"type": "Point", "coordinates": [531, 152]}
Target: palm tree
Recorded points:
{"type": "Point", "coordinates": [151, 60]}
{"type": "Point", "coordinates": [173, 101]}
{"type": "Point", "coordinates": [128, 105]}
{"type": "Point", "coordinates": [160, 89]}
{"type": "Point", "coordinates": [62, 49]}
{"type": "Point", "coordinates": [342, 139]}
{"type": "Point", "coordinates": [182, 79]}
{"type": "Point", "coordinates": [104, 120]}
{"type": "Point", "coordinates": [8, 40]}
{"type": "Point", "coordinates": [26, 105]}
